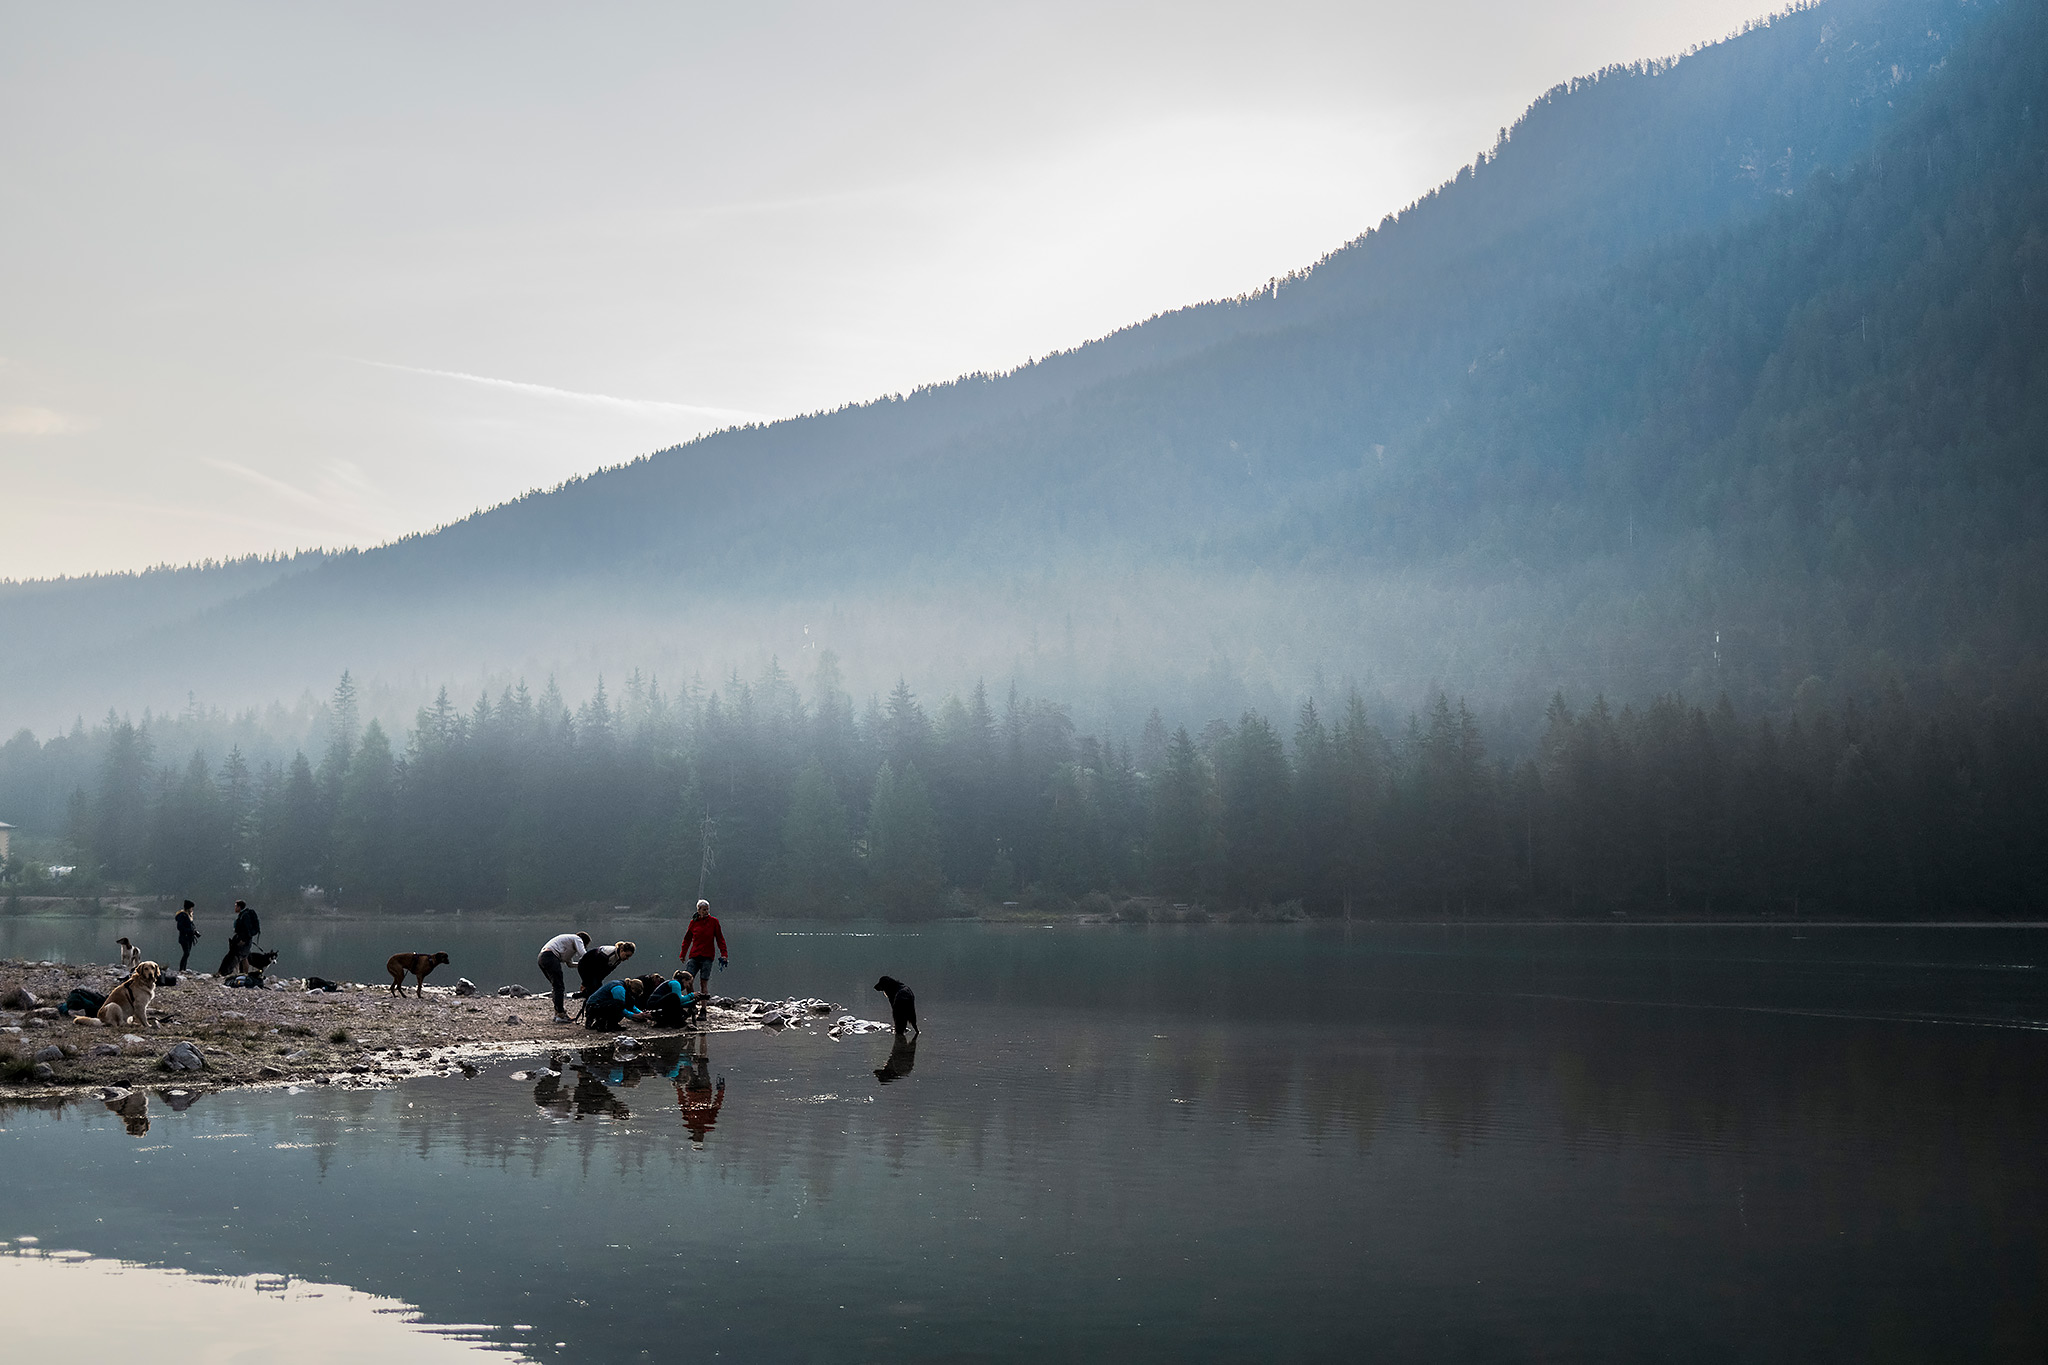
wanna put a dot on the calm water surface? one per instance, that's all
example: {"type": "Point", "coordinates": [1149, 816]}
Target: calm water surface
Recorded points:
{"type": "Point", "coordinates": [1403, 1143]}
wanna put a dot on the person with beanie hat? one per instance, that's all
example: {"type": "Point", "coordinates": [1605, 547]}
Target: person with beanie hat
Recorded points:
{"type": "Point", "coordinates": [188, 934]}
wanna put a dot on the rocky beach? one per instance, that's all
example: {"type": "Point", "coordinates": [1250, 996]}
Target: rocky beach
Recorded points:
{"type": "Point", "coordinates": [207, 1035]}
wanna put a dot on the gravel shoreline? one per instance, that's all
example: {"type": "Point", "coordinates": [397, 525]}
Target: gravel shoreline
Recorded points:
{"type": "Point", "coordinates": [360, 1036]}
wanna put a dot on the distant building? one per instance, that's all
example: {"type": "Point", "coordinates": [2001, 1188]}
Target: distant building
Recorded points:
{"type": "Point", "coordinates": [5, 830]}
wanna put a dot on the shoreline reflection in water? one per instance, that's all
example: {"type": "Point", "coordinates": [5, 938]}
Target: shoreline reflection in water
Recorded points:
{"type": "Point", "coordinates": [222, 1317]}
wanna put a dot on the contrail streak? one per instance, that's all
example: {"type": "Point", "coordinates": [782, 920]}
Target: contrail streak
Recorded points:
{"type": "Point", "coordinates": [641, 405]}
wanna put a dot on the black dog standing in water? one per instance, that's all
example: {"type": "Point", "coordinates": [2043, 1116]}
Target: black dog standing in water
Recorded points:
{"type": "Point", "coordinates": [902, 1003]}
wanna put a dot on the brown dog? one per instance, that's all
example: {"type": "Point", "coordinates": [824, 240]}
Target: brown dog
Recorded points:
{"type": "Point", "coordinates": [129, 1002]}
{"type": "Point", "coordinates": [419, 964]}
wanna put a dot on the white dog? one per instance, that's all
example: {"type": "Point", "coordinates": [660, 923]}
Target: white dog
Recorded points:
{"type": "Point", "coordinates": [130, 955]}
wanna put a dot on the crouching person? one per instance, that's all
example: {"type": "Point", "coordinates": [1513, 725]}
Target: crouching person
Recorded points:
{"type": "Point", "coordinates": [611, 1005]}
{"type": "Point", "coordinates": [563, 950]}
{"type": "Point", "coordinates": [608, 1007]}
{"type": "Point", "coordinates": [673, 1003]}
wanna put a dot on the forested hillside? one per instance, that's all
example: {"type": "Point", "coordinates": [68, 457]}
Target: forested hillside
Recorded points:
{"type": "Point", "coordinates": [772, 801]}
{"type": "Point", "coordinates": [1718, 375]}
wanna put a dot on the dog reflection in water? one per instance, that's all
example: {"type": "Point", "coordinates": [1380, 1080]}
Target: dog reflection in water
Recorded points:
{"type": "Point", "coordinates": [902, 1057]}
{"type": "Point", "coordinates": [696, 1095]}
{"type": "Point", "coordinates": [133, 1108]}
{"type": "Point", "coordinates": [585, 1094]}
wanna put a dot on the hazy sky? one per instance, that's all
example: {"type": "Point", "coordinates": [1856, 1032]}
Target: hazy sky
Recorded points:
{"type": "Point", "coordinates": [276, 276]}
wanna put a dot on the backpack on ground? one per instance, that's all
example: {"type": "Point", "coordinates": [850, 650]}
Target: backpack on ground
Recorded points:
{"type": "Point", "coordinates": [83, 1001]}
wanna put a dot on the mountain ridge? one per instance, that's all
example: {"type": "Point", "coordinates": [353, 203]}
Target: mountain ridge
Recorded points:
{"type": "Point", "coordinates": [1058, 486]}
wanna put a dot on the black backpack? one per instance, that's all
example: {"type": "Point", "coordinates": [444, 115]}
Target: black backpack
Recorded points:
{"type": "Point", "coordinates": [83, 1001]}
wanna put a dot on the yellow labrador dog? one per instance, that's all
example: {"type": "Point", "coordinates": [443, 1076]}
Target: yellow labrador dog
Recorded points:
{"type": "Point", "coordinates": [129, 1002]}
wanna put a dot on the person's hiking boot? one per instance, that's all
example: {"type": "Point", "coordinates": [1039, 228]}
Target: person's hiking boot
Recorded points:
{"type": "Point", "coordinates": [562, 1018]}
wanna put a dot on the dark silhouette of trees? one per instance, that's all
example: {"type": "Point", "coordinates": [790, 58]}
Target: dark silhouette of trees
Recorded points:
{"type": "Point", "coordinates": [1869, 809]}
{"type": "Point", "coordinates": [819, 863]}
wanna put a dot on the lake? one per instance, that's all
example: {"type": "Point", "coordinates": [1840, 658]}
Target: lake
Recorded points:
{"type": "Point", "coordinates": [1231, 1143]}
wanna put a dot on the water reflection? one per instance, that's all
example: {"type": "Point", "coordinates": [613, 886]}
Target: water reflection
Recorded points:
{"type": "Point", "coordinates": [1477, 1158]}
{"type": "Point", "coordinates": [133, 1108]}
{"type": "Point", "coordinates": [582, 1083]}
{"type": "Point", "coordinates": [572, 1089]}
{"type": "Point", "coordinates": [696, 1094]}
{"type": "Point", "coordinates": [902, 1057]}
{"type": "Point", "coordinates": [216, 1317]}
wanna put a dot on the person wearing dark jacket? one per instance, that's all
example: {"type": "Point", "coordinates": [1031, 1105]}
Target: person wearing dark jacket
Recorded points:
{"type": "Point", "coordinates": [188, 934]}
{"type": "Point", "coordinates": [673, 1003]}
{"type": "Point", "coordinates": [599, 963]}
{"type": "Point", "coordinates": [241, 939]}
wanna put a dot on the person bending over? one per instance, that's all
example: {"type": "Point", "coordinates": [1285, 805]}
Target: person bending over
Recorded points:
{"type": "Point", "coordinates": [559, 950]}
{"type": "Point", "coordinates": [599, 962]}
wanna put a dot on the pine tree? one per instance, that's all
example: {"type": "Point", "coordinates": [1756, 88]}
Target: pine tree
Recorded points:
{"type": "Point", "coordinates": [903, 845]}
{"type": "Point", "coordinates": [1319, 809]}
{"type": "Point", "coordinates": [1182, 846]}
{"type": "Point", "coordinates": [1257, 814]}
{"type": "Point", "coordinates": [120, 819]}
{"type": "Point", "coordinates": [1152, 743]}
{"type": "Point", "coordinates": [365, 826]}
{"type": "Point", "coordinates": [1364, 761]}
{"type": "Point", "coordinates": [295, 832]}
{"type": "Point", "coordinates": [344, 711]}
{"type": "Point", "coordinates": [817, 849]}
{"type": "Point", "coordinates": [909, 730]}
{"type": "Point", "coordinates": [238, 813]}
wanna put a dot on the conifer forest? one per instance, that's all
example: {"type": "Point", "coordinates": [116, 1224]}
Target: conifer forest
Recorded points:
{"type": "Point", "coordinates": [774, 802]}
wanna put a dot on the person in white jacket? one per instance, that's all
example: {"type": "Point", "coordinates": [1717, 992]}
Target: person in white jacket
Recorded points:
{"type": "Point", "coordinates": [563, 950]}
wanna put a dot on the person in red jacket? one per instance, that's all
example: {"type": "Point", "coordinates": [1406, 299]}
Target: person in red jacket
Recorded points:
{"type": "Point", "coordinates": [698, 938]}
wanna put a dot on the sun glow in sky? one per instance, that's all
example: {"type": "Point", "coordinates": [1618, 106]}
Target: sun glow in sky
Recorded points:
{"type": "Point", "coordinates": [292, 276]}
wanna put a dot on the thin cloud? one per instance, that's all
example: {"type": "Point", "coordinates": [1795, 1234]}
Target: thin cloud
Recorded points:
{"type": "Point", "coordinates": [287, 491]}
{"type": "Point", "coordinates": [340, 498]}
{"type": "Point", "coordinates": [39, 422]}
{"type": "Point", "coordinates": [644, 406]}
